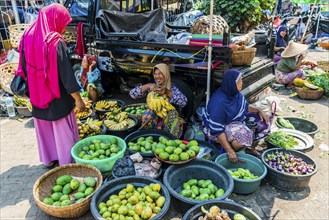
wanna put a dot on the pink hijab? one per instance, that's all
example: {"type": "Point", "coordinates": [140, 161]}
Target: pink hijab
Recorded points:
{"type": "Point", "coordinates": [40, 49]}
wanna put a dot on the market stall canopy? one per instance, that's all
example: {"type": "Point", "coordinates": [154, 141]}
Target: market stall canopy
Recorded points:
{"type": "Point", "coordinates": [311, 1]}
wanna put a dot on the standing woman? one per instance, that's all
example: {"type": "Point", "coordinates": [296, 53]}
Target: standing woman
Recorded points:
{"type": "Point", "coordinates": [52, 86]}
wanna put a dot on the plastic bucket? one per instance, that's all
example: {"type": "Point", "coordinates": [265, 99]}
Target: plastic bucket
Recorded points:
{"type": "Point", "coordinates": [285, 181]}
{"type": "Point", "coordinates": [155, 133]}
{"type": "Point", "coordinates": [114, 186]}
{"type": "Point", "coordinates": [104, 165]}
{"type": "Point", "coordinates": [100, 113]}
{"type": "Point", "coordinates": [176, 175]}
{"type": "Point", "coordinates": [23, 111]}
{"type": "Point", "coordinates": [253, 164]}
{"type": "Point", "coordinates": [123, 133]}
{"type": "Point", "coordinates": [300, 124]}
{"type": "Point", "coordinates": [230, 207]}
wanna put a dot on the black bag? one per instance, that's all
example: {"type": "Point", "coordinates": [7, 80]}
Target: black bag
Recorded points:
{"type": "Point", "coordinates": [19, 86]}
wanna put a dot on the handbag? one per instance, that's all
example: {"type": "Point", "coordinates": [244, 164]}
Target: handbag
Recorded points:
{"type": "Point", "coordinates": [19, 85]}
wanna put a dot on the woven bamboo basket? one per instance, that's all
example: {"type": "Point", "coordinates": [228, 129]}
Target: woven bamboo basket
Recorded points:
{"type": "Point", "coordinates": [42, 189]}
{"type": "Point", "coordinates": [324, 45]}
{"type": "Point", "coordinates": [243, 57]}
{"type": "Point", "coordinates": [7, 71]}
{"type": "Point", "coordinates": [138, 116]}
{"type": "Point", "coordinates": [70, 37]}
{"type": "Point", "coordinates": [16, 32]}
{"type": "Point", "coordinates": [324, 65]}
{"type": "Point", "coordinates": [309, 94]}
{"type": "Point", "coordinates": [202, 25]}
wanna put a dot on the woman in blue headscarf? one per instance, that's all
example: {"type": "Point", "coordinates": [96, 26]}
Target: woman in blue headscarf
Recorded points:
{"type": "Point", "coordinates": [280, 44]}
{"type": "Point", "coordinates": [223, 118]}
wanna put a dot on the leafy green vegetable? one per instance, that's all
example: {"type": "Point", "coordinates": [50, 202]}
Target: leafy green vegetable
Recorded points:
{"type": "Point", "coordinates": [282, 139]}
{"type": "Point", "coordinates": [320, 79]}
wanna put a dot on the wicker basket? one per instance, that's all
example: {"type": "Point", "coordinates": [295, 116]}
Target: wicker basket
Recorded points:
{"type": "Point", "coordinates": [7, 71]}
{"type": "Point", "coordinates": [16, 32]}
{"type": "Point", "coordinates": [309, 94]}
{"type": "Point", "coordinates": [70, 37]}
{"type": "Point", "coordinates": [42, 189]}
{"type": "Point", "coordinates": [324, 65]}
{"type": "Point", "coordinates": [202, 25]}
{"type": "Point", "coordinates": [324, 45]}
{"type": "Point", "coordinates": [243, 57]}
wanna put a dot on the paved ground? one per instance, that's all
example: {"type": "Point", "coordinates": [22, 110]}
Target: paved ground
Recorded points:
{"type": "Point", "coordinates": [20, 168]}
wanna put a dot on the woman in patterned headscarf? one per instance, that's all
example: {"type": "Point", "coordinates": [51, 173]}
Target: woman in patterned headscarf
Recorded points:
{"type": "Point", "coordinates": [52, 86]}
{"type": "Point", "coordinates": [163, 86]}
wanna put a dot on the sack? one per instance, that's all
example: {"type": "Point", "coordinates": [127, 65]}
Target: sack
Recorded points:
{"type": "Point", "coordinates": [19, 86]}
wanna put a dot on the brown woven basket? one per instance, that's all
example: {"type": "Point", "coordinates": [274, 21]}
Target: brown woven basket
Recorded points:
{"type": "Point", "coordinates": [70, 37]}
{"type": "Point", "coordinates": [324, 65]}
{"type": "Point", "coordinates": [42, 189]}
{"type": "Point", "coordinates": [7, 71]}
{"type": "Point", "coordinates": [243, 57]}
{"type": "Point", "coordinates": [309, 94]}
{"type": "Point", "coordinates": [202, 25]}
{"type": "Point", "coordinates": [16, 32]}
{"type": "Point", "coordinates": [138, 116]}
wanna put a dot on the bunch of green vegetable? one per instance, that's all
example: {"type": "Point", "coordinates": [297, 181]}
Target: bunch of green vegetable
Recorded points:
{"type": "Point", "coordinates": [321, 80]}
{"type": "Point", "coordinates": [241, 16]}
{"type": "Point", "coordinates": [281, 139]}
{"type": "Point", "coordinates": [285, 123]}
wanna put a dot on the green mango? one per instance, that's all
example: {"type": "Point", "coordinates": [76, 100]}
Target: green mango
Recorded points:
{"type": "Point", "coordinates": [74, 184]}
{"type": "Point", "coordinates": [62, 180]}
{"type": "Point", "coordinates": [89, 181]}
{"type": "Point", "coordinates": [212, 188]}
{"type": "Point", "coordinates": [206, 183]}
{"type": "Point", "coordinates": [66, 203]}
{"type": "Point", "coordinates": [64, 197]}
{"type": "Point", "coordinates": [89, 191]}
{"type": "Point", "coordinates": [195, 190]}
{"type": "Point", "coordinates": [219, 193]}
{"type": "Point", "coordinates": [56, 196]}
{"type": "Point", "coordinates": [78, 195]}
{"type": "Point", "coordinates": [67, 189]}
{"type": "Point", "coordinates": [205, 191]}
{"type": "Point", "coordinates": [186, 193]}
{"type": "Point", "coordinates": [192, 182]}
{"type": "Point", "coordinates": [203, 196]}
{"type": "Point", "coordinates": [48, 201]}
{"type": "Point", "coordinates": [58, 203]}
{"type": "Point", "coordinates": [57, 188]}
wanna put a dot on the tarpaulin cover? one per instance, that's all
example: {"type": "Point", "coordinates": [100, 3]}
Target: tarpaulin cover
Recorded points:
{"type": "Point", "coordinates": [149, 26]}
{"type": "Point", "coordinates": [311, 1]}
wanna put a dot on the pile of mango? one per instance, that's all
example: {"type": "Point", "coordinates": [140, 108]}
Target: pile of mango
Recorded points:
{"type": "Point", "coordinates": [69, 190]}
{"type": "Point", "coordinates": [98, 150]}
{"type": "Point", "coordinates": [133, 203]}
{"type": "Point", "coordinates": [136, 109]}
{"type": "Point", "coordinates": [143, 144]}
{"type": "Point", "coordinates": [201, 190]}
{"type": "Point", "coordinates": [176, 150]}
{"type": "Point", "coordinates": [241, 173]}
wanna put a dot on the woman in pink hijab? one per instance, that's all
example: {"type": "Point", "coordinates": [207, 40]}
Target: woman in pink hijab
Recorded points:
{"type": "Point", "coordinates": [52, 86]}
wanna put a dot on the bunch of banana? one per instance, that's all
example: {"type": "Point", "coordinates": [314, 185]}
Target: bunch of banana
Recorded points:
{"type": "Point", "coordinates": [95, 122]}
{"type": "Point", "coordinates": [111, 114]}
{"type": "Point", "coordinates": [122, 116]}
{"type": "Point", "coordinates": [88, 103]}
{"type": "Point", "coordinates": [87, 110]}
{"type": "Point", "coordinates": [116, 125]}
{"type": "Point", "coordinates": [159, 104]}
{"type": "Point", "coordinates": [89, 128]}
{"type": "Point", "coordinates": [106, 105]}
{"type": "Point", "coordinates": [21, 102]}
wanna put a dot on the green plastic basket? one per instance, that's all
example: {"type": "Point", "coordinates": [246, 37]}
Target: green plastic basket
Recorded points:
{"type": "Point", "coordinates": [104, 165]}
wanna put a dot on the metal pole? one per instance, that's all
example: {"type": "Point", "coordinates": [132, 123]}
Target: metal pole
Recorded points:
{"type": "Point", "coordinates": [14, 5]}
{"type": "Point", "coordinates": [210, 50]}
{"type": "Point", "coordinates": [308, 22]}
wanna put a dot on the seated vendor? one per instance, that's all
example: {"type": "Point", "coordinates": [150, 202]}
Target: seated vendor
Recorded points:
{"type": "Point", "coordinates": [289, 67]}
{"type": "Point", "coordinates": [280, 43]}
{"type": "Point", "coordinates": [89, 77]}
{"type": "Point", "coordinates": [162, 86]}
{"type": "Point", "coordinates": [225, 114]}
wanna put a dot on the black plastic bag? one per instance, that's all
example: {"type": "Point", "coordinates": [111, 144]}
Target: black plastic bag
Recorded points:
{"type": "Point", "coordinates": [19, 86]}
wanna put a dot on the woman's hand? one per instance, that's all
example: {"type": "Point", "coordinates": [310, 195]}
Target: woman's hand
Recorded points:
{"type": "Point", "coordinates": [232, 156]}
{"type": "Point", "coordinates": [263, 116]}
{"type": "Point", "coordinates": [80, 105]}
{"type": "Point", "coordinates": [92, 66]}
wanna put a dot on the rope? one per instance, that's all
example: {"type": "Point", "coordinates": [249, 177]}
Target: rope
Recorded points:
{"type": "Point", "coordinates": [164, 49]}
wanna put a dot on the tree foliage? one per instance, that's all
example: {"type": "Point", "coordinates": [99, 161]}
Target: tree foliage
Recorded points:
{"type": "Point", "coordinates": [241, 15]}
